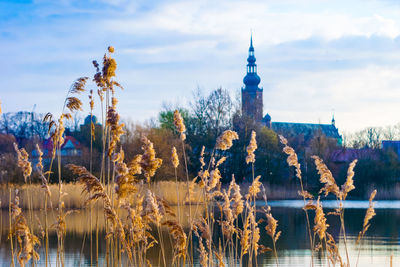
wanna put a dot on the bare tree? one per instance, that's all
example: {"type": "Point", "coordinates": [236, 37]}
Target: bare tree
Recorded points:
{"type": "Point", "coordinates": [219, 110]}
{"type": "Point", "coordinates": [24, 125]}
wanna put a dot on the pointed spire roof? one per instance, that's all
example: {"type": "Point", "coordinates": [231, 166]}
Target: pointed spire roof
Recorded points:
{"type": "Point", "coordinates": [251, 42]}
{"type": "Point", "coordinates": [251, 80]}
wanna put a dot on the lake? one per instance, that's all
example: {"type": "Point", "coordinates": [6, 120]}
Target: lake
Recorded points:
{"type": "Point", "coordinates": [380, 243]}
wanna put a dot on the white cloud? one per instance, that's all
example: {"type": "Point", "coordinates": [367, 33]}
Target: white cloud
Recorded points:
{"type": "Point", "coordinates": [313, 57]}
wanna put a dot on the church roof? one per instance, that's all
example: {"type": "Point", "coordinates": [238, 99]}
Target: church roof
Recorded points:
{"type": "Point", "coordinates": [307, 129]}
{"type": "Point", "coordinates": [349, 154]}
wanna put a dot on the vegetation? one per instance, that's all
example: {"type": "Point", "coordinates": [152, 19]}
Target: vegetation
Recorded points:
{"type": "Point", "coordinates": [134, 210]}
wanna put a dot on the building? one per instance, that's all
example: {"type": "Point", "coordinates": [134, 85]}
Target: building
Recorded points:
{"type": "Point", "coordinates": [252, 95]}
{"type": "Point", "coordinates": [252, 107]}
{"type": "Point", "coordinates": [70, 148]}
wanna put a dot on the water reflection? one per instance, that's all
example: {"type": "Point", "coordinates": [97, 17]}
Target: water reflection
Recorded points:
{"type": "Point", "coordinates": [381, 241]}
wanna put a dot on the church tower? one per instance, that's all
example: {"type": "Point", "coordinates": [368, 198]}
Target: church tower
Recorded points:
{"type": "Point", "coordinates": [252, 98]}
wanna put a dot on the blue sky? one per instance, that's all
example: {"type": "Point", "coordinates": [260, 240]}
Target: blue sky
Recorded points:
{"type": "Point", "coordinates": [313, 56]}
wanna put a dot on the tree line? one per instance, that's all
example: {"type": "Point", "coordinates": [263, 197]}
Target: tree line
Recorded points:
{"type": "Point", "coordinates": [206, 117]}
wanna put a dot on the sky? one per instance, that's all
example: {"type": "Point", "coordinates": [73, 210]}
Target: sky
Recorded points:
{"type": "Point", "coordinates": [314, 57]}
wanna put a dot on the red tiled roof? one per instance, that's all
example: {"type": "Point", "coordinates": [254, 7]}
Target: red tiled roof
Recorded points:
{"type": "Point", "coordinates": [48, 143]}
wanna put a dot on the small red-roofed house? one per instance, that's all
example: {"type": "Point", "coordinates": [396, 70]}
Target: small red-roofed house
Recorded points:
{"type": "Point", "coordinates": [70, 148]}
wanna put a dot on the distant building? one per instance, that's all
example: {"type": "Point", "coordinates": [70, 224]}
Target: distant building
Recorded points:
{"type": "Point", "coordinates": [70, 148]}
{"type": "Point", "coordinates": [89, 118]}
{"type": "Point", "coordinates": [346, 155]}
{"type": "Point", "coordinates": [252, 107]}
{"type": "Point", "coordinates": [252, 95]}
{"type": "Point", "coordinates": [391, 145]}
{"type": "Point", "coordinates": [308, 130]}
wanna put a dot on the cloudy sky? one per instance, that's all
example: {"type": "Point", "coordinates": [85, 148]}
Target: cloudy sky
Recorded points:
{"type": "Point", "coordinates": [314, 57]}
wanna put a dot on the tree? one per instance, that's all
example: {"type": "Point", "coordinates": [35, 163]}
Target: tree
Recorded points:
{"type": "Point", "coordinates": [24, 125]}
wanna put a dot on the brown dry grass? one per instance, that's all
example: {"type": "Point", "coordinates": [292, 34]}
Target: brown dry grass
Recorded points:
{"type": "Point", "coordinates": [74, 200]}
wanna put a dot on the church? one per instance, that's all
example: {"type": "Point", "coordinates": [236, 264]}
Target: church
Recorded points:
{"type": "Point", "coordinates": [252, 107]}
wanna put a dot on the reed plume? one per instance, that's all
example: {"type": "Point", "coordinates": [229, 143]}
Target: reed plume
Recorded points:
{"type": "Point", "coordinates": [27, 241]}
{"type": "Point", "coordinates": [116, 128]}
{"type": "Point", "coordinates": [292, 159]}
{"type": "Point", "coordinates": [23, 161]}
{"type": "Point", "coordinates": [215, 177]}
{"type": "Point", "coordinates": [368, 216]}
{"type": "Point", "coordinates": [320, 225]}
{"type": "Point", "coordinates": [179, 124]}
{"type": "Point", "coordinates": [149, 162]}
{"type": "Point", "coordinates": [227, 225]}
{"type": "Point", "coordinates": [238, 203]}
{"type": "Point", "coordinates": [254, 188]}
{"type": "Point", "coordinates": [180, 239]}
{"type": "Point", "coordinates": [151, 208]}
{"type": "Point", "coordinates": [125, 177]}
{"type": "Point", "coordinates": [251, 148]}
{"type": "Point", "coordinates": [174, 158]}
{"type": "Point", "coordinates": [225, 140]}
{"type": "Point", "coordinates": [349, 184]}
{"type": "Point", "coordinates": [271, 226]}
{"type": "Point", "coordinates": [326, 178]}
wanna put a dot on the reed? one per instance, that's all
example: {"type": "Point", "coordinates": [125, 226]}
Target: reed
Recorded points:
{"type": "Point", "coordinates": [135, 211]}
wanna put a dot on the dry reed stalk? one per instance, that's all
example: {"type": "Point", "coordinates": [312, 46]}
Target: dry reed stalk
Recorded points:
{"type": "Point", "coordinates": [333, 251]}
{"type": "Point", "coordinates": [330, 186]}
{"type": "Point", "coordinates": [292, 160]}
{"type": "Point", "coordinates": [175, 163]}
{"type": "Point", "coordinates": [320, 227]}
{"type": "Point", "coordinates": [254, 188]}
{"type": "Point", "coordinates": [245, 237]}
{"type": "Point", "coordinates": [181, 128]}
{"type": "Point", "coordinates": [46, 189]}
{"type": "Point", "coordinates": [25, 238]}
{"type": "Point", "coordinates": [271, 227]}
{"type": "Point", "coordinates": [10, 234]}
{"type": "Point", "coordinates": [56, 131]}
{"type": "Point", "coordinates": [203, 253]}
{"type": "Point", "coordinates": [180, 240]}
{"type": "Point", "coordinates": [219, 255]}
{"type": "Point", "coordinates": [366, 224]}
{"type": "Point", "coordinates": [149, 162]}
{"type": "Point", "coordinates": [202, 226]}
{"type": "Point", "coordinates": [96, 191]}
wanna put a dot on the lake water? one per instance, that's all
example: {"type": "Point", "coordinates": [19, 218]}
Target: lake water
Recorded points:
{"type": "Point", "coordinates": [379, 245]}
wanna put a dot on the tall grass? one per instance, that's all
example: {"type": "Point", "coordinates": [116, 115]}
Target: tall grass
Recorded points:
{"type": "Point", "coordinates": [135, 211]}
{"type": "Point", "coordinates": [167, 190]}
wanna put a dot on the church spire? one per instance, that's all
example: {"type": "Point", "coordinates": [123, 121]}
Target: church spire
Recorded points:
{"type": "Point", "coordinates": [252, 100]}
{"type": "Point", "coordinates": [251, 42]}
{"type": "Point", "coordinates": [251, 80]}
